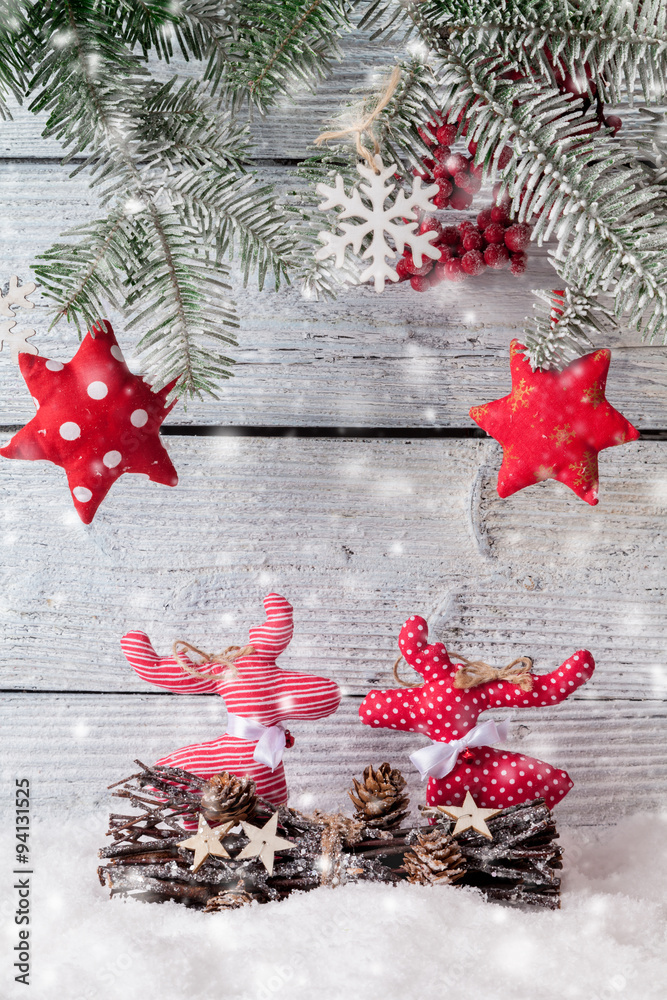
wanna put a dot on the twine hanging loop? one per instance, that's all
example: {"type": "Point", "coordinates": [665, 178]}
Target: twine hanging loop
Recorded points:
{"type": "Point", "coordinates": [476, 672]}
{"type": "Point", "coordinates": [226, 659]}
{"type": "Point", "coordinates": [359, 128]}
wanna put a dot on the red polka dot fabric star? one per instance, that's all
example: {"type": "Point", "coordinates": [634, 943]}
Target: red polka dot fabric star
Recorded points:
{"type": "Point", "coordinates": [95, 419]}
{"type": "Point", "coordinates": [553, 424]}
{"type": "Point", "coordinates": [495, 778]}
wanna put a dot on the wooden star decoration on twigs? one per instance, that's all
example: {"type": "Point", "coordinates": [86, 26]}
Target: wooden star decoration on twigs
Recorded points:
{"type": "Point", "coordinates": [206, 841]}
{"type": "Point", "coordinates": [469, 815]}
{"type": "Point", "coordinates": [264, 843]}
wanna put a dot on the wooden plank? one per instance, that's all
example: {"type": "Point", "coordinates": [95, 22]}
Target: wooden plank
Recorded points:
{"type": "Point", "coordinates": [400, 359]}
{"type": "Point", "coordinates": [73, 746]}
{"type": "Point", "coordinates": [358, 535]}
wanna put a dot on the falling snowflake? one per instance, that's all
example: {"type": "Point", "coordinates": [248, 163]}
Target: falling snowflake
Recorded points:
{"type": "Point", "coordinates": [378, 220]}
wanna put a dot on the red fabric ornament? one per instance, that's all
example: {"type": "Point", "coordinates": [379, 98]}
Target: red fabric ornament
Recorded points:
{"type": "Point", "coordinates": [553, 424]}
{"type": "Point", "coordinates": [256, 690]}
{"type": "Point", "coordinates": [495, 778]}
{"type": "Point", "coordinates": [95, 419]}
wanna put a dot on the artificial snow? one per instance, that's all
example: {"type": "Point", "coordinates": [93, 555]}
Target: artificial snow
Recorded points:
{"type": "Point", "coordinates": [360, 941]}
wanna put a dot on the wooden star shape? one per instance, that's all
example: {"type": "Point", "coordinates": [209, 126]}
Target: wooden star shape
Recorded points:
{"type": "Point", "coordinates": [206, 842]}
{"type": "Point", "coordinates": [469, 815]}
{"type": "Point", "coordinates": [553, 424]}
{"type": "Point", "coordinates": [264, 843]}
{"type": "Point", "coordinates": [95, 419]}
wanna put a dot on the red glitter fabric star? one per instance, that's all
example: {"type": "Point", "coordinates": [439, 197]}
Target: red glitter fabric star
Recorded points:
{"type": "Point", "coordinates": [95, 419]}
{"type": "Point", "coordinates": [553, 424]}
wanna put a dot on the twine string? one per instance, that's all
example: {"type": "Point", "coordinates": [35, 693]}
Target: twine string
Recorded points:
{"type": "Point", "coordinates": [360, 128]}
{"type": "Point", "coordinates": [476, 672]}
{"type": "Point", "coordinates": [226, 659]}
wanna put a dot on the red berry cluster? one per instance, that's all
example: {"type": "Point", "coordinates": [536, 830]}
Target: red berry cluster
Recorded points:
{"type": "Point", "coordinates": [467, 249]}
{"type": "Point", "coordinates": [457, 177]}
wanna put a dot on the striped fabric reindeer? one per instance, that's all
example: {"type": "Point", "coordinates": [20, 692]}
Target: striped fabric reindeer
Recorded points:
{"type": "Point", "coordinates": [258, 694]}
{"type": "Point", "coordinates": [446, 708]}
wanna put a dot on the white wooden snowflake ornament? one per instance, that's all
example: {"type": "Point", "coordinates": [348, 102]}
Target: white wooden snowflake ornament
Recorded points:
{"type": "Point", "coordinates": [378, 220]}
{"type": "Point", "coordinates": [16, 297]}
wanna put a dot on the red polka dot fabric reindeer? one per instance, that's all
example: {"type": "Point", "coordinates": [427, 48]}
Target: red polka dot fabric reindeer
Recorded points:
{"type": "Point", "coordinates": [446, 708]}
{"type": "Point", "coordinates": [258, 694]}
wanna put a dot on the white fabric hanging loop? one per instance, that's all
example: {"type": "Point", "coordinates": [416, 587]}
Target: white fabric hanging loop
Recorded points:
{"type": "Point", "coordinates": [438, 759]}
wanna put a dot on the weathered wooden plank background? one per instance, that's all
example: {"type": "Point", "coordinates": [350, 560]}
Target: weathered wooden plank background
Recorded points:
{"type": "Point", "coordinates": [358, 533]}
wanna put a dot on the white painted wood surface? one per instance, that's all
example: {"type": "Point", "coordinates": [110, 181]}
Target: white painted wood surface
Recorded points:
{"type": "Point", "coordinates": [357, 533]}
{"type": "Point", "coordinates": [400, 359]}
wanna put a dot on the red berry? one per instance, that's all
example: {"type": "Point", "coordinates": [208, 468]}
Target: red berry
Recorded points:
{"type": "Point", "coordinates": [517, 237]}
{"type": "Point", "coordinates": [446, 134]}
{"type": "Point", "coordinates": [450, 235]}
{"type": "Point", "coordinates": [473, 240]}
{"type": "Point", "coordinates": [420, 282]}
{"type": "Point", "coordinates": [456, 162]}
{"type": "Point", "coordinates": [401, 270]}
{"type": "Point", "coordinates": [477, 169]}
{"type": "Point", "coordinates": [496, 256]}
{"type": "Point", "coordinates": [473, 262]}
{"type": "Point", "coordinates": [518, 263]}
{"type": "Point", "coordinates": [613, 121]}
{"type": "Point", "coordinates": [472, 147]}
{"type": "Point", "coordinates": [438, 272]}
{"type": "Point", "coordinates": [441, 153]}
{"type": "Point", "coordinates": [440, 172]}
{"type": "Point", "coordinates": [499, 214]}
{"type": "Point", "coordinates": [412, 268]}
{"type": "Point", "coordinates": [454, 271]}
{"type": "Point", "coordinates": [441, 200]}
{"type": "Point", "coordinates": [446, 187]}
{"type": "Point", "coordinates": [468, 182]}
{"type": "Point", "coordinates": [484, 218]}
{"type": "Point", "coordinates": [505, 157]}
{"type": "Point", "coordinates": [428, 162]}
{"type": "Point", "coordinates": [430, 224]}
{"type": "Point", "coordinates": [446, 253]}
{"type": "Point", "coordinates": [494, 233]}
{"type": "Point", "coordinates": [461, 200]}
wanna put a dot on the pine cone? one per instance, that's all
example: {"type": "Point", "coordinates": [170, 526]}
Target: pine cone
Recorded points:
{"type": "Point", "coordinates": [230, 899]}
{"type": "Point", "coordinates": [380, 801]}
{"type": "Point", "coordinates": [434, 859]}
{"type": "Point", "coordinates": [226, 797]}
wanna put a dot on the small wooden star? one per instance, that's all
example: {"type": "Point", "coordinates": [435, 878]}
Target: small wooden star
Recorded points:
{"type": "Point", "coordinates": [264, 843]}
{"type": "Point", "coordinates": [470, 815]}
{"type": "Point", "coordinates": [205, 842]}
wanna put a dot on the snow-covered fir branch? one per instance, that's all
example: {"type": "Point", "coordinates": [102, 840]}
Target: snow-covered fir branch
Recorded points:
{"type": "Point", "coordinates": [605, 46]}
{"type": "Point", "coordinates": [168, 161]}
{"type": "Point", "coordinates": [562, 325]}
{"type": "Point", "coordinates": [571, 180]}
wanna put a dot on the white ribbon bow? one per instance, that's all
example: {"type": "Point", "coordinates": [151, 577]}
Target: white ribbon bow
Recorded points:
{"type": "Point", "coordinates": [439, 759]}
{"type": "Point", "coordinates": [270, 739]}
